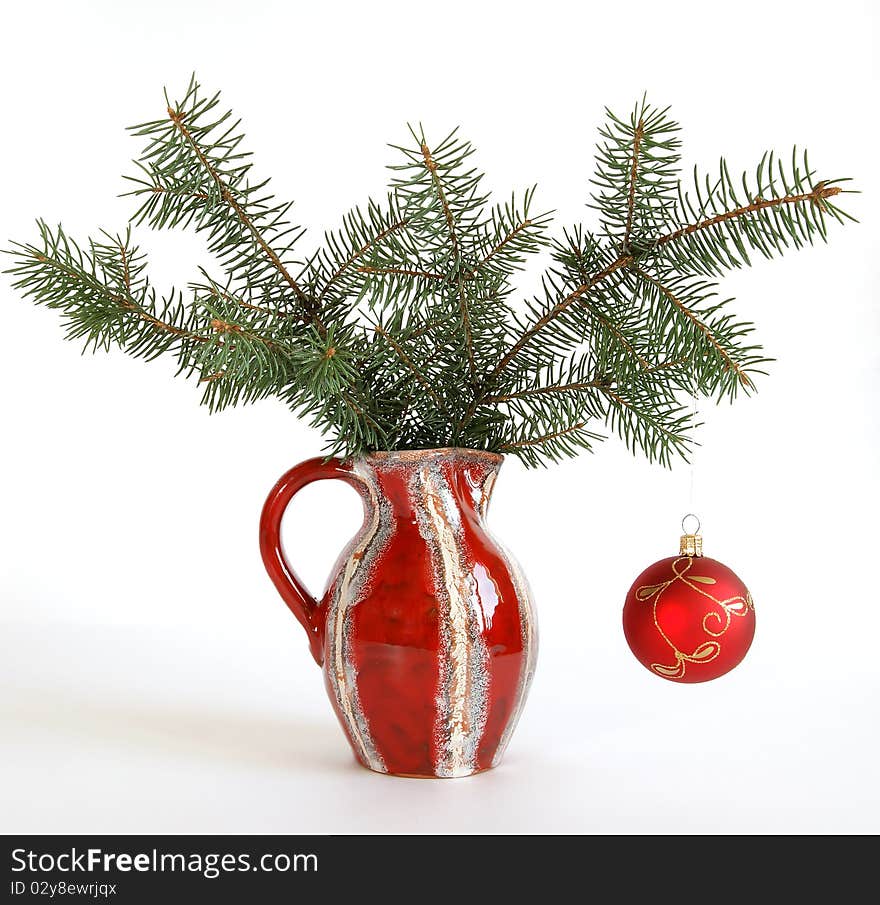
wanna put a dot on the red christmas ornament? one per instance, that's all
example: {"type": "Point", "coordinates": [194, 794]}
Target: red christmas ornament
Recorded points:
{"type": "Point", "coordinates": [689, 618]}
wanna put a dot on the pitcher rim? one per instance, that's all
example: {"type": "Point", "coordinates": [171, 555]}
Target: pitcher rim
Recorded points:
{"type": "Point", "coordinates": [418, 454]}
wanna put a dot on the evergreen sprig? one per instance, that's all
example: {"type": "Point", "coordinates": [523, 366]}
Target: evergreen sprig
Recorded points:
{"type": "Point", "coordinates": [401, 330]}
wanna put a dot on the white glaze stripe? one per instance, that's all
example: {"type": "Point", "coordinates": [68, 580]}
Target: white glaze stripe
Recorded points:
{"type": "Point", "coordinates": [463, 673]}
{"type": "Point", "coordinates": [343, 678]}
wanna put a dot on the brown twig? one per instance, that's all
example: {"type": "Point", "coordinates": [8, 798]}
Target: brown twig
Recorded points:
{"type": "Point", "coordinates": [357, 254]}
{"type": "Point", "coordinates": [633, 177]}
{"type": "Point", "coordinates": [131, 305]}
{"type": "Point", "coordinates": [221, 294]}
{"type": "Point", "coordinates": [401, 354]}
{"type": "Point", "coordinates": [704, 328]}
{"type": "Point", "coordinates": [536, 328]}
{"type": "Point", "coordinates": [124, 301]}
{"type": "Point", "coordinates": [671, 363]}
{"type": "Point", "coordinates": [554, 312]}
{"type": "Point", "coordinates": [228, 196]}
{"type": "Point", "coordinates": [428, 326]}
{"type": "Point", "coordinates": [401, 271]}
{"type": "Point", "coordinates": [360, 412]}
{"type": "Point", "coordinates": [643, 362]}
{"type": "Point", "coordinates": [543, 439]}
{"type": "Point", "coordinates": [816, 196]}
{"type": "Point", "coordinates": [431, 164]}
{"type": "Point", "coordinates": [551, 390]}
{"type": "Point", "coordinates": [164, 190]}
{"type": "Point", "coordinates": [507, 239]}
{"type": "Point", "coordinates": [621, 401]}
{"type": "Point", "coordinates": [126, 273]}
{"type": "Point", "coordinates": [221, 326]}
{"type": "Point", "coordinates": [438, 185]}
{"type": "Point", "coordinates": [218, 325]}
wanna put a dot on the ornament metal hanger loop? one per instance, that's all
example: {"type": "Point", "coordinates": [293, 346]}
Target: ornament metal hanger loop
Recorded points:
{"type": "Point", "coordinates": [684, 528]}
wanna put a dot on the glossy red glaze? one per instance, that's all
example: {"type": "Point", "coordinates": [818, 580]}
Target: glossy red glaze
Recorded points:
{"type": "Point", "coordinates": [425, 631]}
{"type": "Point", "coordinates": [689, 619]}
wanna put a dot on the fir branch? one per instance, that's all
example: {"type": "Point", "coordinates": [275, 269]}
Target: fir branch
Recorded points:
{"type": "Point", "coordinates": [400, 330]}
{"type": "Point", "coordinates": [499, 247]}
{"type": "Point", "coordinates": [419, 376]}
{"type": "Point", "coordinates": [535, 443]}
{"type": "Point", "coordinates": [783, 207]}
{"type": "Point", "coordinates": [356, 255]}
{"type": "Point", "coordinates": [636, 175]}
{"type": "Point", "coordinates": [401, 271]}
{"type": "Point", "coordinates": [554, 312]}
{"type": "Point", "coordinates": [649, 420]}
{"type": "Point", "coordinates": [671, 363]}
{"type": "Point", "coordinates": [177, 116]}
{"type": "Point", "coordinates": [707, 332]}
{"type": "Point", "coordinates": [502, 245]}
{"type": "Point", "coordinates": [431, 166]}
{"type": "Point", "coordinates": [638, 134]}
{"type": "Point", "coordinates": [817, 196]}
{"type": "Point", "coordinates": [615, 330]}
{"type": "Point", "coordinates": [94, 290]}
{"type": "Point", "coordinates": [165, 190]}
{"type": "Point", "coordinates": [545, 438]}
{"type": "Point", "coordinates": [194, 173]}
{"type": "Point", "coordinates": [577, 386]}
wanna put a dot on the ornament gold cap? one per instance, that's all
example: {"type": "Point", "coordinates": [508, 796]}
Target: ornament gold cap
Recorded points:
{"type": "Point", "coordinates": [691, 543]}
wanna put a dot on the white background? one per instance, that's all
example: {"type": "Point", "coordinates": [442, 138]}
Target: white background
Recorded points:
{"type": "Point", "coordinates": [151, 678]}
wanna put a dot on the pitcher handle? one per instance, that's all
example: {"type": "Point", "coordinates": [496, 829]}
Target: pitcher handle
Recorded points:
{"type": "Point", "coordinates": [294, 593]}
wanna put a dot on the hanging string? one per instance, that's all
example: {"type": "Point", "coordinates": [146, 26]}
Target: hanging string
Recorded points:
{"type": "Point", "coordinates": [692, 481]}
{"type": "Point", "coordinates": [693, 454]}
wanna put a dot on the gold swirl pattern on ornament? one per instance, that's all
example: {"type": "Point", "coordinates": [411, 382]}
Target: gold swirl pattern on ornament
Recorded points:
{"type": "Point", "coordinates": [708, 650]}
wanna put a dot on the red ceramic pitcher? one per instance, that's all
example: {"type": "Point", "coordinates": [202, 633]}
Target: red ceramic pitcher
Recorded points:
{"type": "Point", "coordinates": [425, 633]}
